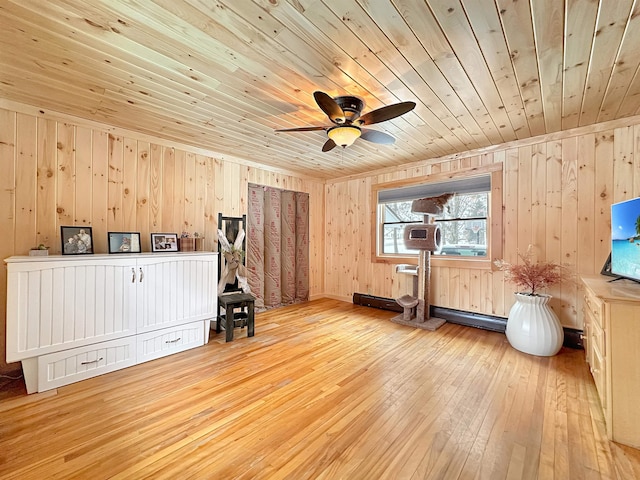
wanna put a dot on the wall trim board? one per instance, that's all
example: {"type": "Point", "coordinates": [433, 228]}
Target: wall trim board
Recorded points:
{"type": "Point", "coordinates": [572, 336]}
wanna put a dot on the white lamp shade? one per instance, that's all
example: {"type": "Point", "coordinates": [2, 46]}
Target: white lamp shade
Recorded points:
{"type": "Point", "coordinates": [345, 135]}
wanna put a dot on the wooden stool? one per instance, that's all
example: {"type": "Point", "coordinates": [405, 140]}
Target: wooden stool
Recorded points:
{"type": "Point", "coordinates": [230, 301]}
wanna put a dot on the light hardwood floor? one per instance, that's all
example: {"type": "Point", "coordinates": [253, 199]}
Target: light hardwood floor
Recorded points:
{"type": "Point", "coordinates": [324, 390]}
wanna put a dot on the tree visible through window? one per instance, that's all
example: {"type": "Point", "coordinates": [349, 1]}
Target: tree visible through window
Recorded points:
{"type": "Point", "coordinates": [463, 225]}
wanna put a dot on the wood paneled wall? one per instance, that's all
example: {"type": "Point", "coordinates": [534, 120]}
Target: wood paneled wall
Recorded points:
{"type": "Point", "coordinates": [557, 194]}
{"type": "Point", "coordinates": [54, 172]}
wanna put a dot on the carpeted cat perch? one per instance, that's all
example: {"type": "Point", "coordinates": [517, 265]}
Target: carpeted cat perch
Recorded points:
{"type": "Point", "coordinates": [425, 237]}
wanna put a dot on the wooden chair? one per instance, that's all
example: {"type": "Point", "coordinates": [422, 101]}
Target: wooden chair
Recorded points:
{"type": "Point", "coordinates": [232, 299]}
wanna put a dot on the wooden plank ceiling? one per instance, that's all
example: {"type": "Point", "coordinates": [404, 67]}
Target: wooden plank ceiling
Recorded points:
{"type": "Point", "coordinates": [223, 74]}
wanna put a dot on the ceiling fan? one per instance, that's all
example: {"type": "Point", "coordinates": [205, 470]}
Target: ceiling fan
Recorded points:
{"type": "Point", "coordinates": [345, 113]}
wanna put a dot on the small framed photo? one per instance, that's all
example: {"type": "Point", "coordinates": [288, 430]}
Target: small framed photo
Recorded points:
{"type": "Point", "coordinates": [124, 242]}
{"type": "Point", "coordinates": [164, 242]}
{"type": "Point", "coordinates": [76, 240]}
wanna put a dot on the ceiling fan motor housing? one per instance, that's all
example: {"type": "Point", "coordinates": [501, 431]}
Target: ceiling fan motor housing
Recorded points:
{"type": "Point", "coordinates": [350, 105]}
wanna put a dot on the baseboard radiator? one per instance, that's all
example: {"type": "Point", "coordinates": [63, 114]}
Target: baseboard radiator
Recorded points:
{"type": "Point", "coordinates": [572, 336]}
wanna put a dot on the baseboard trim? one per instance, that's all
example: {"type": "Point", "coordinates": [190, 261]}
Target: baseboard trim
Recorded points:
{"type": "Point", "coordinates": [470, 319]}
{"type": "Point", "coordinates": [335, 297]}
{"type": "Point", "coordinates": [376, 302]}
{"type": "Point", "coordinates": [572, 336]}
{"type": "Point", "coordinates": [316, 296]}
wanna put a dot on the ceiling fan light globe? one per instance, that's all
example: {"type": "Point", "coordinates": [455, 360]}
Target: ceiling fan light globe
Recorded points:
{"type": "Point", "coordinates": [344, 135]}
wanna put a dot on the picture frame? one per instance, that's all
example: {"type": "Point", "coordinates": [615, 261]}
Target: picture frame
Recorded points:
{"type": "Point", "coordinates": [164, 242]}
{"type": "Point", "coordinates": [124, 242]}
{"type": "Point", "coordinates": [76, 240]}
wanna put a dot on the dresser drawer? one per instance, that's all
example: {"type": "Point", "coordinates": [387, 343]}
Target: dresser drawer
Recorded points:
{"type": "Point", "coordinates": [587, 341]}
{"type": "Point", "coordinates": [595, 307]}
{"type": "Point", "coordinates": [598, 370]}
{"type": "Point", "coordinates": [598, 339]}
{"type": "Point", "coordinates": [68, 366]}
{"type": "Point", "coordinates": [159, 343]}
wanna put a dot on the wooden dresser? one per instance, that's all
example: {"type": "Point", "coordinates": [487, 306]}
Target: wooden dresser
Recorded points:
{"type": "Point", "coordinates": [612, 345]}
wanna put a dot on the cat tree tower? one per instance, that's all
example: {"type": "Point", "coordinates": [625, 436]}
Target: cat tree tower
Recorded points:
{"type": "Point", "coordinates": [425, 237]}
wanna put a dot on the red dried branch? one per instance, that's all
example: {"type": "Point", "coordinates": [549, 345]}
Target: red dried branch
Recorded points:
{"type": "Point", "coordinates": [531, 276]}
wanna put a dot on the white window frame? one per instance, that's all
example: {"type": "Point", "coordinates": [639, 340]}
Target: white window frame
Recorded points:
{"type": "Point", "coordinates": [494, 220]}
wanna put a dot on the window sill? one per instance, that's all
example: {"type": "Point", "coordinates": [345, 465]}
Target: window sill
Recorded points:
{"type": "Point", "coordinates": [449, 261]}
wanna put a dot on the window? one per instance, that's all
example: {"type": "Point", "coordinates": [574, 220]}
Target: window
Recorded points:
{"type": "Point", "coordinates": [466, 223]}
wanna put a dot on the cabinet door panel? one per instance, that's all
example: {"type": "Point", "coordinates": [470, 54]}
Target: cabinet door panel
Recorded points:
{"type": "Point", "coordinates": [176, 290]}
{"type": "Point", "coordinates": [67, 304]}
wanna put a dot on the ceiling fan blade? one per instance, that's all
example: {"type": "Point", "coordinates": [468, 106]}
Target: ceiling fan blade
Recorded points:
{"type": "Point", "coordinates": [329, 106]}
{"type": "Point", "coordinates": [301, 129]}
{"type": "Point", "coordinates": [377, 137]}
{"type": "Point", "coordinates": [328, 145]}
{"type": "Point", "coordinates": [386, 113]}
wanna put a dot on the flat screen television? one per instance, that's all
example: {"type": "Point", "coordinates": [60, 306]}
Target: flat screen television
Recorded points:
{"type": "Point", "coordinates": [625, 239]}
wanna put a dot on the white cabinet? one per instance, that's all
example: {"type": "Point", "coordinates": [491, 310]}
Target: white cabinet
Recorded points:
{"type": "Point", "coordinates": [73, 317]}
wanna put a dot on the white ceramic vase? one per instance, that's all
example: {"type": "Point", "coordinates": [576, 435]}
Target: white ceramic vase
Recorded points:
{"type": "Point", "coordinates": [533, 327]}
